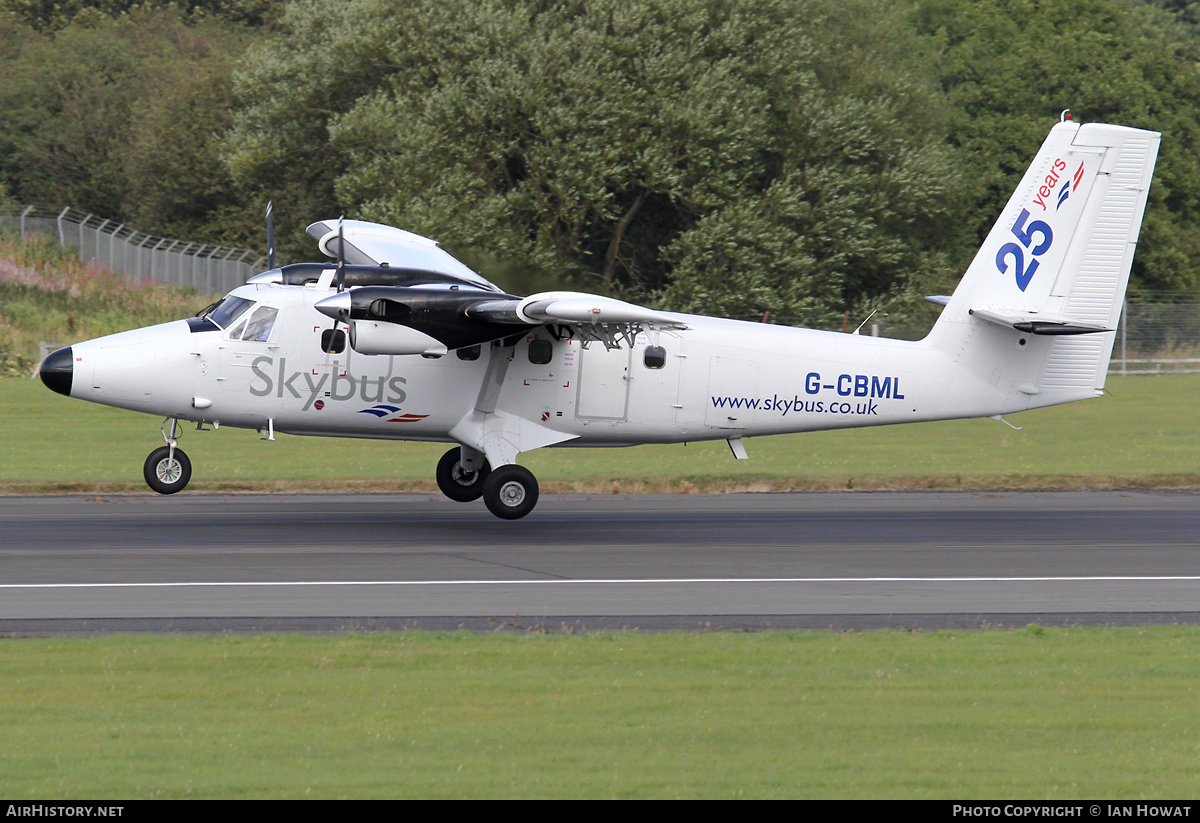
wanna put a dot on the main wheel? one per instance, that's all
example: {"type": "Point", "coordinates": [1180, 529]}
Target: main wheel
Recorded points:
{"type": "Point", "coordinates": [167, 475]}
{"type": "Point", "coordinates": [510, 492]}
{"type": "Point", "coordinates": [456, 482]}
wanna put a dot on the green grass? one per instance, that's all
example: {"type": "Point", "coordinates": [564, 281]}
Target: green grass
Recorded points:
{"type": "Point", "coordinates": [1143, 435]}
{"type": "Point", "coordinates": [1056, 714]}
{"type": "Point", "coordinates": [1035, 713]}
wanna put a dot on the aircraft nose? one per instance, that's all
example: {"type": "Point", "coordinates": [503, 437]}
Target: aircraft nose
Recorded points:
{"type": "Point", "coordinates": [57, 370]}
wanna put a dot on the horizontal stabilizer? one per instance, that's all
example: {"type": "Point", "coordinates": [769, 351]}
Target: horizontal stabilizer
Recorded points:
{"type": "Point", "coordinates": [1033, 323]}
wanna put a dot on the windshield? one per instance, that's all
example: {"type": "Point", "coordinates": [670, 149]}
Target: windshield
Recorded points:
{"type": "Point", "coordinates": [229, 310]}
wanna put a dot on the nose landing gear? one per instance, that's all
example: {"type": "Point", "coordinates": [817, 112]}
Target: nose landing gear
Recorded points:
{"type": "Point", "coordinates": [167, 470]}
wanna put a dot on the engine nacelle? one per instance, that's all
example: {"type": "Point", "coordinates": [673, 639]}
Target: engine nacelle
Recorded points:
{"type": "Point", "coordinates": [372, 337]}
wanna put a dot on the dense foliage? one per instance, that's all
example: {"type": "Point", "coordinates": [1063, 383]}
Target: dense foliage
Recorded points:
{"type": "Point", "coordinates": [803, 157]}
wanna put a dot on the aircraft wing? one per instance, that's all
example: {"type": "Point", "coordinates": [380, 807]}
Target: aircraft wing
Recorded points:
{"type": "Point", "coordinates": [383, 319]}
{"type": "Point", "coordinates": [374, 244]}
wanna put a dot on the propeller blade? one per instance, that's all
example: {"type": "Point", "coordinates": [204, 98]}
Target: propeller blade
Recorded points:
{"type": "Point", "coordinates": [332, 335]}
{"type": "Point", "coordinates": [270, 234]}
{"type": "Point", "coordinates": [341, 269]}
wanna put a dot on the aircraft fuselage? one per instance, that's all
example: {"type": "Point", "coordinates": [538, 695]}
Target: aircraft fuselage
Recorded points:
{"type": "Point", "coordinates": [714, 379]}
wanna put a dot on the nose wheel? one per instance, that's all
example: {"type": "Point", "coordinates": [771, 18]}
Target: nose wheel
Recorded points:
{"type": "Point", "coordinates": [167, 472]}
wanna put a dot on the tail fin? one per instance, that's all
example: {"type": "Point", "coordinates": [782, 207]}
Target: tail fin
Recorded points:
{"type": "Point", "coordinates": [1050, 278]}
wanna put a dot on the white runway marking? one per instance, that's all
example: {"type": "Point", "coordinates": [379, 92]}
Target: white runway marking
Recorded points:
{"type": "Point", "coordinates": [655, 581]}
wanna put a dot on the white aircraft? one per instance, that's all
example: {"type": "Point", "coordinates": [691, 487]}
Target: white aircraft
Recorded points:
{"type": "Point", "coordinates": [436, 352]}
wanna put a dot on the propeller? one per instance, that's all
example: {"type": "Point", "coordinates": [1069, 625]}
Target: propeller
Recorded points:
{"type": "Point", "coordinates": [330, 345]}
{"type": "Point", "coordinates": [270, 234]}
{"type": "Point", "coordinates": [341, 269]}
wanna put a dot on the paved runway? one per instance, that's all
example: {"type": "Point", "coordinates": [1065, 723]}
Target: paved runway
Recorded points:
{"type": "Point", "coordinates": [330, 562]}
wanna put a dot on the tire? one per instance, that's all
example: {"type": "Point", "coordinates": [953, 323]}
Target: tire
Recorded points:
{"type": "Point", "coordinates": [510, 492]}
{"type": "Point", "coordinates": [164, 475]}
{"type": "Point", "coordinates": [457, 484]}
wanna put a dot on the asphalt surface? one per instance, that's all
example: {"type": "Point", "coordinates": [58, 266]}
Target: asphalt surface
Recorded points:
{"type": "Point", "coordinates": [250, 562]}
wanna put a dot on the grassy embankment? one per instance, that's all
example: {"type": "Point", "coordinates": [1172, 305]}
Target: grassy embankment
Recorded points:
{"type": "Point", "coordinates": [48, 294]}
{"type": "Point", "coordinates": [1035, 713]}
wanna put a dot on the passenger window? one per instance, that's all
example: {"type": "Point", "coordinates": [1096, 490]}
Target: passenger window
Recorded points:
{"type": "Point", "coordinates": [259, 326]}
{"type": "Point", "coordinates": [333, 341]}
{"type": "Point", "coordinates": [469, 353]}
{"type": "Point", "coordinates": [655, 357]}
{"type": "Point", "coordinates": [540, 352]}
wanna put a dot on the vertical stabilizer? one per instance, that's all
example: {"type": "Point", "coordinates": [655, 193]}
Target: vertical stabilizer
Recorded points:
{"type": "Point", "coordinates": [1050, 278]}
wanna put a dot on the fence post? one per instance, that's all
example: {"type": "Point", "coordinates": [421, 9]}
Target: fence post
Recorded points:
{"type": "Point", "coordinates": [183, 254]}
{"type": "Point", "coordinates": [140, 255]}
{"type": "Point", "coordinates": [62, 238]}
{"type": "Point", "coordinates": [208, 269]}
{"type": "Point", "coordinates": [24, 214]}
{"type": "Point", "coordinates": [167, 265]}
{"type": "Point", "coordinates": [225, 287]}
{"type": "Point", "coordinates": [154, 259]}
{"type": "Point", "coordinates": [81, 225]}
{"type": "Point", "coordinates": [99, 229]}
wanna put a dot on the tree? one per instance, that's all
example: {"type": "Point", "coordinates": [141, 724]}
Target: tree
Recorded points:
{"type": "Point", "coordinates": [786, 156]}
{"type": "Point", "coordinates": [120, 117]}
{"type": "Point", "coordinates": [54, 15]}
{"type": "Point", "coordinates": [1007, 65]}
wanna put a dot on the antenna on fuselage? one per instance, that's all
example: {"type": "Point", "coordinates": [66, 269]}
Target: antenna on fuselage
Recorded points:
{"type": "Point", "coordinates": [863, 323]}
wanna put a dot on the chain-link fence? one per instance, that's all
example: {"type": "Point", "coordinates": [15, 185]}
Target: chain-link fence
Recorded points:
{"type": "Point", "coordinates": [204, 267]}
{"type": "Point", "coordinates": [1152, 338]}
{"type": "Point", "coordinates": [1158, 337]}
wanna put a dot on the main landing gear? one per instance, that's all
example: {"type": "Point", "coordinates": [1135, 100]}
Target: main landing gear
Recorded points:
{"type": "Point", "coordinates": [510, 492]}
{"type": "Point", "coordinates": [167, 470]}
{"type": "Point", "coordinates": [458, 483]}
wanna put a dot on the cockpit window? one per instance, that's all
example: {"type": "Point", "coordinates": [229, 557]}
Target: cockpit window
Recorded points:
{"type": "Point", "coordinates": [259, 326]}
{"type": "Point", "coordinates": [236, 334]}
{"type": "Point", "coordinates": [229, 310]}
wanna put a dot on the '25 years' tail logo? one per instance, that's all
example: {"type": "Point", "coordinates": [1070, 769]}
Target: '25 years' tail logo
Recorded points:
{"type": "Point", "coordinates": [1026, 230]}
